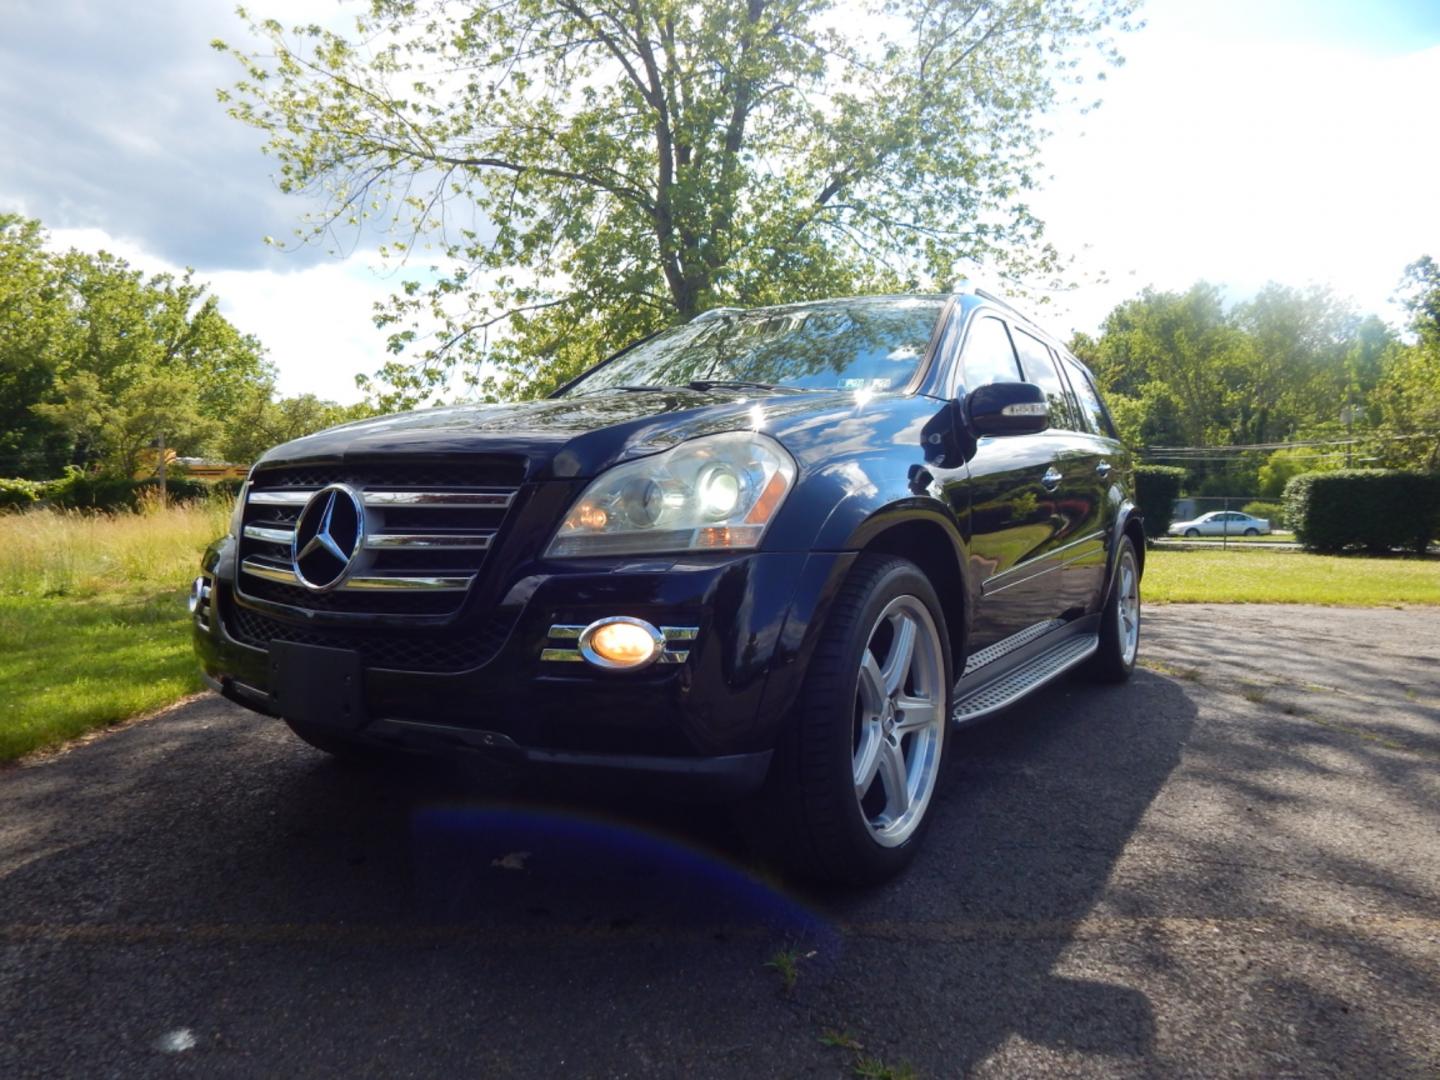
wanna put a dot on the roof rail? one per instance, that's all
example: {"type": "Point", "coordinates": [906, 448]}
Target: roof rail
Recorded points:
{"type": "Point", "coordinates": [717, 313]}
{"type": "Point", "coordinates": [986, 294]}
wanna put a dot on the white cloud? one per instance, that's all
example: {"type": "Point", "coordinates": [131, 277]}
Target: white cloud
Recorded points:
{"type": "Point", "coordinates": [1245, 161]}
{"type": "Point", "coordinates": [315, 321]}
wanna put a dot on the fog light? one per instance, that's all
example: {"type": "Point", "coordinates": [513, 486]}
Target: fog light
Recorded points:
{"type": "Point", "coordinates": [621, 642]}
{"type": "Point", "coordinates": [197, 591]}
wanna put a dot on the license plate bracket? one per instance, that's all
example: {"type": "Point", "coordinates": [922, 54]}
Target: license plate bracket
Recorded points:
{"type": "Point", "coordinates": [318, 686]}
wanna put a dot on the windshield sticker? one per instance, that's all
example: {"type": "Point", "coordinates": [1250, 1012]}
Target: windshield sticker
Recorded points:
{"type": "Point", "coordinates": [864, 384]}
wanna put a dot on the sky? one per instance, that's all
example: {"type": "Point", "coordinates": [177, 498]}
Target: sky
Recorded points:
{"type": "Point", "coordinates": [1243, 141]}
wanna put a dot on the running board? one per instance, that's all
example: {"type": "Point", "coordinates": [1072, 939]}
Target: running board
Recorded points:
{"type": "Point", "coordinates": [1031, 675]}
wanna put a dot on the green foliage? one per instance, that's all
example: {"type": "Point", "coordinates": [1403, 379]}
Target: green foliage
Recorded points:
{"type": "Point", "coordinates": [1283, 465]}
{"type": "Point", "coordinates": [79, 490]}
{"type": "Point", "coordinates": [592, 173]}
{"type": "Point", "coordinates": [1272, 512]}
{"type": "Point", "coordinates": [1374, 510]}
{"type": "Point", "coordinates": [18, 494]}
{"type": "Point", "coordinates": [1256, 573]}
{"type": "Point", "coordinates": [1156, 489]}
{"type": "Point", "coordinates": [262, 422]}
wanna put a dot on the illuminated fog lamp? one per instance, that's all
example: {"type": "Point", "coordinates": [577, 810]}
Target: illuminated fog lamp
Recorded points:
{"type": "Point", "coordinates": [621, 643]}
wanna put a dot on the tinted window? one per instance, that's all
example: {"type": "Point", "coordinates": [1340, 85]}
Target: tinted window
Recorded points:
{"type": "Point", "coordinates": [1039, 368]}
{"type": "Point", "coordinates": [866, 344]}
{"type": "Point", "coordinates": [989, 356]}
{"type": "Point", "coordinates": [1090, 400]}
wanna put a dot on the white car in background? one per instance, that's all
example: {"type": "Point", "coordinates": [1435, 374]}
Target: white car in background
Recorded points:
{"type": "Point", "coordinates": [1221, 523]}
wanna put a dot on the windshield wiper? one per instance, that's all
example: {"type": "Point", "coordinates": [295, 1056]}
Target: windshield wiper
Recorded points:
{"type": "Point", "coordinates": [739, 384]}
{"type": "Point", "coordinates": [639, 388]}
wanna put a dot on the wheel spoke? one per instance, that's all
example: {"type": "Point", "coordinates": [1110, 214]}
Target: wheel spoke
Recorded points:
{"type": "Point", "coordinates": [916, 714]}
{"type": "Point", "coordinates": [894, 777]}
{"type": "Point", "coordinates": [867, 757]}
{"type": "Point", "coordinates": [871, 687]}
{"type": "Point", "coordinates": [902, 650]}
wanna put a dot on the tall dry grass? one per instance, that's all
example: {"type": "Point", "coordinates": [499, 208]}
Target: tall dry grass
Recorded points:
{"type": "Point", "coordinates": [51, 552]}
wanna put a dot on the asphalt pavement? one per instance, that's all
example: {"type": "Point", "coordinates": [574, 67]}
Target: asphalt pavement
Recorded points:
{"type": "Point", "coordinates": [1229, 866]}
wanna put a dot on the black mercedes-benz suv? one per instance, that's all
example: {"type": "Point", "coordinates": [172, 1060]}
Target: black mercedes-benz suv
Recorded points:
{"type": "Point", "coordinates": [774, 554]}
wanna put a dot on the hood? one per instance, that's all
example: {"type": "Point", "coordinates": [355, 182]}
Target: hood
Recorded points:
{"type": "Point", "coordinates": [582, 436]}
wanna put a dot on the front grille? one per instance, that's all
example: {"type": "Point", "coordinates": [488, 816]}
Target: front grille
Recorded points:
{"type": "Point", "coordinates": [428, 528]}
{"type": "Point", "coordinates": [398, 650]}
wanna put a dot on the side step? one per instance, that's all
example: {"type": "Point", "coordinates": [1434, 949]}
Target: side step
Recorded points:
{"type": "Point", "coordinates": [1011, 687]}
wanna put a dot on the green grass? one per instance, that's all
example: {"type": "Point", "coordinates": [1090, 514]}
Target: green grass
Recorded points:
{"type": "Point", "coordinates": [1288, 577]}
{"type": "Point", "coordinates": [93, 628]}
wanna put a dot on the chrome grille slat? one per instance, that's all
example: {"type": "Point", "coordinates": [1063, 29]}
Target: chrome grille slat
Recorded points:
{"type": "Point", "coordinates": [291, 497]}
{"type": "Point", "coordinates": [284, 575]}
{"type": "Point", "coordinates": [270, 535]}
{"type": "Point", "coordinates": [448, 541]}
{"type": "Point", "coordinates": [496, 499]}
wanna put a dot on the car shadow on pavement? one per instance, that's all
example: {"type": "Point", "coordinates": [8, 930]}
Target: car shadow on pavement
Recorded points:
{"type": "Point", "coordinates": [563, 903]}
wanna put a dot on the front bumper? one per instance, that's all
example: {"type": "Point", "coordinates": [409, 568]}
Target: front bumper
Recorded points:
{"type": "Point", "coordinates": [711, 720]}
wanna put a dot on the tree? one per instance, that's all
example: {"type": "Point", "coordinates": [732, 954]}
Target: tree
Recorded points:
{"type": "Point", "coordinates": [33, 321]}
{"type": "Point", "coordinates": [119, 426]}
{"type": "Point", "coordinates": [89, 347]}
{"type": "Point", "coordinates": [263, 422]}
{"type": "Point", "coordinates": [1409, 388]}
{"type": "Point", "coordinates": [594, 171]}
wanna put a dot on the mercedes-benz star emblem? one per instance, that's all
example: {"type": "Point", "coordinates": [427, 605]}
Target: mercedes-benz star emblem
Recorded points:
{"type": "Point", "coordinates": [329, 536]}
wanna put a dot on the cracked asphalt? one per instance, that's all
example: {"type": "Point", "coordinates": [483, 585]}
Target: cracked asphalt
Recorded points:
{"type": "Point", "coordinates": [1230, 866]}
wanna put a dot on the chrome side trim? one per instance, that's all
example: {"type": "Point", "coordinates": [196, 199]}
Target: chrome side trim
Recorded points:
{"type": "Point", "coordinates": [381, 541]}
{"type": "Point", "coordinates": [1052, 559]}
{"type": "Point", "coordinates": [571, 656]}
{"type": "Point", "coordinates": [994, 652]}
{"type": "Point", "coordinates": [566, 632]}
{"type": "Point", "coordinates": [498, 499]}
{"type": "Point", "coordinates": [679, 633]}
{"type": "Point", "coordinates": [270, 536]}
{"type": "Point", "coordinates": [281, 498]}
{"type": "Point", "coordinates": [286, 576]}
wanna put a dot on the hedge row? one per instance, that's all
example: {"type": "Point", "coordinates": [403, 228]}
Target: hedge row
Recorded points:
{"type": "Point", "coordinates": [1374, 510]}
{"type": "Point", "coordinates": [77, 490]}
{"type": "Point", "coordinates": [1156, 489]}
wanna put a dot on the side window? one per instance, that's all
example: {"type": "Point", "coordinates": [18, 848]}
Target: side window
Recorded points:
{"type": "Point", "coordinates": [1039, 367]}
{"type": "Point", "coordinates": [989, 356]}
{"type": "Point", "coordinates": [1090, 399]}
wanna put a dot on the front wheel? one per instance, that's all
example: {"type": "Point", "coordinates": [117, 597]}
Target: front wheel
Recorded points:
{"type": "Point", "coordinates": [1192, 532]}
{"type": "Point", "coordinates": [1114, 660]}
{"type": "Point", "coordinates": [857, 765]}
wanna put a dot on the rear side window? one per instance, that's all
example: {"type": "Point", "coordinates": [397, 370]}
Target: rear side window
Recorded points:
{"type": "Point", "coordinates": [1090, 399]}
{"type": "Point", "coordinates": [989, 356]}
{"type": "Point", "coordinates": [1039, 368]}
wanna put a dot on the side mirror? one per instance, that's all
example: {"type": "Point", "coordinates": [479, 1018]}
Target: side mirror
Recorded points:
{"type": "Point", "coordinates": [1007, 408]}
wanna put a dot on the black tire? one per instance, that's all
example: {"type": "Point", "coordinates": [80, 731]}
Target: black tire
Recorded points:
{"type": "Point", "coordinates": [1192, 532]}
{"type": "Point", "coordinates": [349, 751]}
{"type": "Point", "coordinates": [809, 817]}
{"type": "Point", "coordinates": [1252, 532]}
{"type": "Point", "coordinates": [1110, 663]}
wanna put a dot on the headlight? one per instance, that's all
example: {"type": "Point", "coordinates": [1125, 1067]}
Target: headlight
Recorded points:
{"type": "Point", "coordinates": [237, 516]}
{"type": "Point", "coordinates": [715, 492]}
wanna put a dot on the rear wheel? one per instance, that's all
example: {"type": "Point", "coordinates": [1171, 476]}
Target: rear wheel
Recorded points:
{"type": "Point", "coordinates": [1114, 660]}
{"type": "Point", "coordinates": [848, 795]}
{"type": "Point", "coordinates": [1252, 532]}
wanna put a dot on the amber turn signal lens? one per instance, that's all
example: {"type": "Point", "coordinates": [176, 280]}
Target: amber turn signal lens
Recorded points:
{"type": "Point", "coordinates": [624, 644]}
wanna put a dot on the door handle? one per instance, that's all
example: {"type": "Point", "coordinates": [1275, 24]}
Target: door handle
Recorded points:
{"type": "Point", "coordinates": [1052, 478]}
{"type": "Point", "coordinates": [1103, 468]}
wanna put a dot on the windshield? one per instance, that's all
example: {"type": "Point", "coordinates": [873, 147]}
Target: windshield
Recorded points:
{"type": "Point", "coordinates": [867, 344]}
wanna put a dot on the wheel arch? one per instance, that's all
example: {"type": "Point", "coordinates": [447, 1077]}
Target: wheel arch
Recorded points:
{"type": "Point", "coordinates": [939, 553]}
